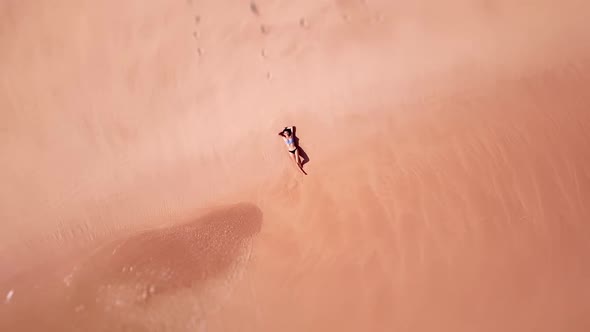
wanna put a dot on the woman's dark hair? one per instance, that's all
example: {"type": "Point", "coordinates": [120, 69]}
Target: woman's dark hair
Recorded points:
{"type": "Point", "coordinates": [288, 131]}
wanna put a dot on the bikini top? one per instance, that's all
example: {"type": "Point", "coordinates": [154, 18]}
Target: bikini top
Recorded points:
{"type": "Point", "coordinates": [289, 141]}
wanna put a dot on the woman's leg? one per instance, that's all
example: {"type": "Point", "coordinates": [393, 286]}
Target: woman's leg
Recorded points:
{"type": "Point", "coordinates": [298, 158]}
{"type": "Point", "coordinates": [294, 157]}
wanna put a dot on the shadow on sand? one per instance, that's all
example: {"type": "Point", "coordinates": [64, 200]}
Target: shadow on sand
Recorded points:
{"type": "Point", "coordinates": [115, 285]}
{"type": "Point", "coordinates": [141, 266]}
{"type": "Point", "coordinates": [304, 156]}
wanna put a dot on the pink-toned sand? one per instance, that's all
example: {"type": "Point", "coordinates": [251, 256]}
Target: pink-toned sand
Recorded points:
{"type": "Point", "coordinates": [143, 186]}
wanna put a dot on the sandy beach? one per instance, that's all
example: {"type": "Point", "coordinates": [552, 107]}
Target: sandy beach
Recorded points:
{"type": "Point", "coordinates": [144, 187]}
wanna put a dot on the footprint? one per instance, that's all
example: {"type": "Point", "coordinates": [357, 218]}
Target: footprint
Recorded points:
{"type": "Point", "coordinates": [197, 34]}
{"type": "Point", "coordinates": [303, 23]}
{"type": "Point", "coordinates": [254, 8]}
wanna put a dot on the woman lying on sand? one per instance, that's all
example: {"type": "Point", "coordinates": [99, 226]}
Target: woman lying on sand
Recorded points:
{"type": "Point", "coordinates": [289, 138]}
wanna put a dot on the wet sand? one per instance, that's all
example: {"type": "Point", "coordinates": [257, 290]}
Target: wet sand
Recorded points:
{"type": "Point", "coordinates": [144, 187]}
